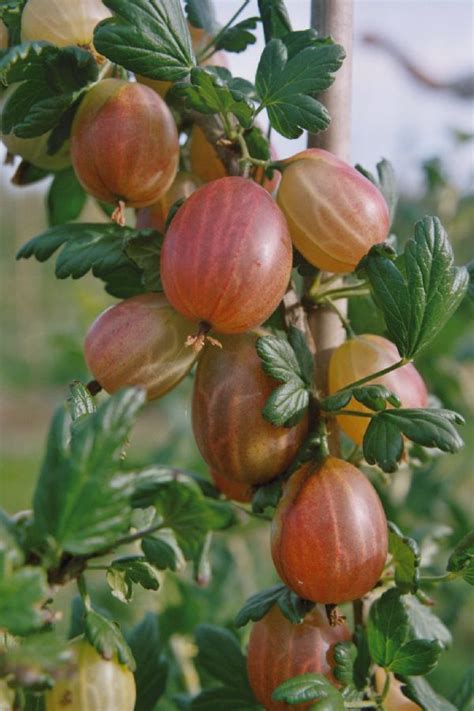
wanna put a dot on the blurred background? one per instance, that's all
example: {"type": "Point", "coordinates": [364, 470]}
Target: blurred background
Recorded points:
{"type": "Point", "coordinates": [413, 89]}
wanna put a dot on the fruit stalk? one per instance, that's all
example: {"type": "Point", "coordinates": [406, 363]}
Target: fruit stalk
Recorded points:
{"type": "Point", "coordinates": [332, 18]}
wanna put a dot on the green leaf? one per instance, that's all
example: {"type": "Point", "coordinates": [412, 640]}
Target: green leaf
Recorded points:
{"type": "Point", "coordinates": [148, 483]}
{"type": "Point", "coordinates": [151, 671]}
{"type": "Point", "coordinates": [303, 354]}
{"type": "Point", "coordinates": [257, 606]}
{"type": "Point", "coordinates": [238, 37]}
{"type": "Point", "coordinates": [184, 509]}
{"type": "Point", "coordinates": [275, 19]}
{"type": "Point", "coordinates": [285, 85]}
{"type": "Point", "coordinates": [278, 358]}
{"type": "Point", "coordinates": [267, 495]}
{"type": "Point", "coordinates": [419, 691]}
{"type": "Point", "coordinates": [383, 441]}
{"type": "Point", "coordinates": [463, 696]}
{"type": "Point", "coordinates": [52, 79]}
{"type": "Point", "coordinates": [81, 403]}
{"type": "Point", "coordinates": [386, 182]}
{"type": "Point", "coordinates": [387, 627]}
{"type": "Point", "coordinates": [287, 404]}
{"type": "Point", "coordinates": [22, 593]}
{"type": "Point", "coordinates": [230, 699]}
{"type": "Point", "coordinates": [406, 559]}
{"type": "Point", "coordinates": [310, 687]}
{"type": "Point", "coordinates": [123, 572]}
{"type": "Point", "coordinates": [82, 500]}
{"type": "Point", "coordinates": [124, 258]}
{"type": "Point", "coordinates": [423, 623]}
{"type": "Point", "coordinates": [345, 654]}
{"type": "Point", "coordinates": [375, 397]}
{"type": "Point", "coordinates": [201, 14]}
{"type": "Point", "coordinates": [336, 402]}
{"type": "Point", "coordinates": [147, 37]}
{"type": "Point", "coordinates": [10, 14]}
{"type": "Point", "coordinates": [417, 657]}
{"type": "Point", "coordinates": [106, 637]}
{"type": "Point", "coordinates": [221, 657]}
{"type": "Point", "coordinates": [213, 90]}
{"type": "Point", "coordinates": [66, 198]}
{"type": "Point", "coordinates": [363, 661]}
{"type": "Point", "coordinates": [419, 295]}
{"type": "Point", "coordinates": [461, 560]}
{"type": "Point", "coordinates": [163, 551]}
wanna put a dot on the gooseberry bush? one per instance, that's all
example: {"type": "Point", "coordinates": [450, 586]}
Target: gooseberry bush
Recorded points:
{"type": "Point", "coordinates": [219, 273]}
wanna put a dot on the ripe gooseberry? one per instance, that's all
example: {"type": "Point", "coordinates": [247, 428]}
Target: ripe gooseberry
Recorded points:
{"type": "Point", "coordinates": [62, 22]}
{"type": "Point", "coordinates": [155, 216]}
{"type": "Point", "coordinates": [230, 391]}
{"type": "Point", "coordinates": [329, 533]}
{"type": "Point", "coordinates": [395, 699]}
{"type": "Point", "coordinates": [235, 490]}
{"type": "Point", "coordinates": [96, 684]}
{"type": "Point", "coordinates": [124, 144]}
{"type": "Point", "coordinates": [357, 358]}
{"type": "Point", "coordinates": [227, 256]}
{"type": "Point", "coordinates": [279, 650]}
{"type": "Point", "coordinates": [334, 213]}
{"type": "Point", "coordinates": [139, 341]}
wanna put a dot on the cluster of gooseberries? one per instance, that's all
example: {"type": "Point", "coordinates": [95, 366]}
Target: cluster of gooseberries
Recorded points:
{"type": "Point", "coordinates": [225, 266]}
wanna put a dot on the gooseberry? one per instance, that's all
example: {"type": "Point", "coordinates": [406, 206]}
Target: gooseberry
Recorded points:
{"type": "Point", "coordinates": [124, 144]}
{"type": "Point", "coordinates": [155, 216]}
{"type": "Point", "coordinates": [230, 391]}
{"type": "Point", "coordinates": [62, 22]}
{"type": "Point", "coordinates": [235, 490]}
{"type": "Point", "coordinates": [279, 650]}
{"type": "Point", "coordinates": [227, 256]}
{"type": "Point", "coordinates": [357, 358]}
{"type": "Point", "coordinates": [329, 533]}
{"type": "Point", "coordinates": [139, 341]}
{"type": "Point", "coordinates": [334, 213]}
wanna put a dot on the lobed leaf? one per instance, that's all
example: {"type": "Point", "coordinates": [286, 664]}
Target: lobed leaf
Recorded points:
{"type": "Point", "coordinates": [147, 37]}
{"type": "Point", "coordinates": [82, 500]}
{"type": "Point", "coordinates": [310, 687]}
{"type": "Point", "coordinates": [424, 624]}
{"type": "Point", "coordinates": [287, 404]}
{"type": "Point", "coordinates": [275, 19]}
{"type": "Point", "coordinates": [106, 637]}
{"type": "Point", "coordinates": [416, 658]}
{"type": "Point", "coordinates": [163, 551]}
{"type": "Point", "coordinates": [383, 441]}
{"type": "Point", "coordinates": [22, 594]}
{"type": "Point", "coordinates": [420, 691]}
{"type": "Point", "coordinates": [123, 572]}
{"type": "Point", "coordinates": [345, 654]}
{"type": "Point", "coordinates": [293, 607]}
{"type": "Point", "coordinates": [461, 560]}
{"type": "Point", "coordinates": [238, 37]}
{"type": "Point", "coordinates": [278, 358]}
{"type": "Point", "coordinates": [387, 627]}
{"type": "Point", "coordinates": [285, 85]}
{"type": "Point", "coordinates": [201, 14]}
{"type": "Point", "coordinates": [418, 295]}
{"type": "Point", "coordinates": [406, 558]}
{"type": "Point", "coordinates": [51, 80]}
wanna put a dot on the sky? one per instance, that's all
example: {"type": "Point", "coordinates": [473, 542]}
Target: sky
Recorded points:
{"type": "Point", "coordinates": [392, 116]}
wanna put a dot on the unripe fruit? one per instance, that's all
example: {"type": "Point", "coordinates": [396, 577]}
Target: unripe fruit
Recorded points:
{"type": "Point", "coordinates": [279, 650]}
{"type": "Point", "coordinates": [62, 22]}
{"type": "Point", "coordinates": [234, 490]}
{"type": "Point", "coordinates": [96, 684]}
{"type": "Point", "coordinates": [395, 699]}
{"type": "Point", "coordinates": [230, 391]}
{"type": "Point", "coordinates": [329, 533]}
{"type": "Point", "coordinates": [334, 213]}
{"type": "Point", "coordinates": [359, 357]}
{"type": "Point", "coordinates": [155, 215]}
{"type": "Point", "coordinates": [227, 256]}
{"type": "Point", "coordinates": [35, 151]}
{"type": "Point", "coordinates": [139, 341]}
{"type": "Point", "coordinates": [124, 144]}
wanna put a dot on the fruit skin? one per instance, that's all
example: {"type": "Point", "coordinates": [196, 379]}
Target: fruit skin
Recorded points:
{"type": "Point", "coordinates": [139, 341]}
{"type": "Point", "coordinates": [360, 356]}
{"type": "Point", "coordinates": [3, 35]}
{"type": "Point", "coordinates": [227, 256]}
{"type": "Point", "coordinates": [334, 213]}
{"type": "Point", "coordinates": [279, 650]}
{"type": "Point", "coordinates": [230, 390]}
{"type": "Point", "coordinates": [96, 684]}
{"type": "Point", "coordinates": [124, 143]}
{"type": "Point", "coordinates": [235, 490]}
{"type": "Point", "coordinates": [396, 699]}
{"type": "Point", "coordinates": [155, 216]}
{"type": "Point", "coordinates": [62, 22]}
{"type": "Point", "coordinates": [34, 150]}
{"type": "Point", "coordinates": [329, 534]}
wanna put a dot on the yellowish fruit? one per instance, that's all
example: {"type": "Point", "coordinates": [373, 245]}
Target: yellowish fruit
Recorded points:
{"type": "Point", "coordinates": [396, 699]}
{"type": "Point", "coordinates": [95, 684]}
{"type": "Point", "coordinates": [62, 22]}
{"type": "Point", "coordinates": [34, 150]}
